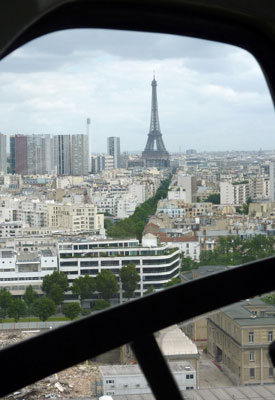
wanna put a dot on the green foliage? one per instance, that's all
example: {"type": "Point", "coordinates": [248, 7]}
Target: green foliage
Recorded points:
{"type": "Point", "coordinates": [58, 278]}
{"type": "Point", "coordinates": [71, 310]}
{"type": "Point", "coordinates": [101, 304]}
{"type": "Point", "coordinates": [43, 308]}
{"type": "Point", "coordinates": [106, 284]}
{"type": "Point", "coordinates": [5, 299]}
{"type": "Point", "coordinates": [213, 198]}
{"type": "Point", "coordinates": [30, 296]}
{"type": "Point", "coordinates": [187, 264]}
{"type": "Point", "coordinates": [56, 293]}
{"type": "Point", "coordinates": [85, 311]}
{"type": "Point", "coordinates": [129, 279]}
{"type": "Point", "coordinates": [133, 226]}
{"type": "Point", "coordinates": [17, 309]}
{"type": "Point", "coordinates": [3, 314]}
{"type": "Point", "coordinates": [150, 290]}
{"type": "Point", "coordinates": [172, 282]}
{"type": "Point", "coordinates": [246, 206]}
{"type": "Point", "coordinates": [235, 251]}
{"type": "Point", "coordinates": [108, 223]}
{"type": "Point", "coordinates": [269, 299]}
{"type": "Point", "coordinates": [84, 287]}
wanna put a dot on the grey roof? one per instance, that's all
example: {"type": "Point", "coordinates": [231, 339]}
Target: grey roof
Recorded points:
{"type": "Point", "coordinates": [28, 257]}
{"type": "Point", "coordinates": [243, 316]}
{"type": "Point", "coordinates": [255, 392]}
{"type": "Point", "coordinates": [47, 253]}
{"type": "Point", "coordinates": [122, 370]}
{"type": "Point", "coordinates": [205, 271]}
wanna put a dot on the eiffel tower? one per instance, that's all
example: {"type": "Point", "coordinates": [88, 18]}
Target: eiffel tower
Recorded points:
{"type": "Point", "coordinates": [155, 153]}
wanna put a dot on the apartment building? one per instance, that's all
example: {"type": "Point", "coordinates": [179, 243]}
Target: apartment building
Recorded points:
{"type": "Point", "coordinates": [156, 265]}
{"type": "Point", "coordinates": [75, 217]}
{"type": "Point", "coordinates": [11, 229]}
{"type": "Point", "coordinates": [19, 270]}
{"type": "Point", "coordinates": [238, 339]}
{"type": "Point", "coordinates": [235, 193]}
{"type": "Point", "coordinates": [102, 162]}
{"type": "Point", "coordinates": [189, 185]}
{"type": "Point", "coordinates": [79, 148]}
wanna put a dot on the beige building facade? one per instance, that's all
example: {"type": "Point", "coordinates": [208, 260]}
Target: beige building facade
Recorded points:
{"type": "Point", "coordinates": [238, 339]}
{"type": "Point", "coordinates": [75, 217]}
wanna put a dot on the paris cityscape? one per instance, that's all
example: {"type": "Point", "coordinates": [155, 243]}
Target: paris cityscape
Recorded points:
{"type": "Point", "coordinates": [82, 231]}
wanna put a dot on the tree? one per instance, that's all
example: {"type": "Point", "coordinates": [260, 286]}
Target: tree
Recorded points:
{"type": "Point", "coordinates": [56, 294]}
{"type": "Point", "coordinates": [30, 296]}
{"type": "Point", "coordinates": [3, 314]}
{"type": "Point", "coordinates": [214, 198]}
{"type": "Point", "coordinates": [17, 309]}
{"type": "Point", "coordinates": [106, 284]}
{"type": "Point", "coordinates": [269, 299]}
{"type": "Point", "coordinates": [5, 299]}
{"type": "Point", "coordinates": [101, 304]}
{"type": "Point", "coordinates": [133, 226]}
{"type": "Point", "coordinates": [129, 279]}
{"type": "Point", "coordinates": [235, 251]}
{"type": "Point", "coordinates": [44, 308]}
{"type": "Point", "coordinates": [246, 206]}
{"type": "Point", "coordinates": [172, 282]}
{"type": "Point", "coordinates": [84, 287]}
{"type": "Point", "coordinates": [58, 278]}
{"type": "Point", "coordinates": [187, 264]}
{"type": "Point", "coordinates": [71, 310]}
{"type": "Point", "coordinates": [150, 290]}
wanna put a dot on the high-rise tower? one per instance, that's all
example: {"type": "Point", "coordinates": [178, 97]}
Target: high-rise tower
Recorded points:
{"type": "Point", "coordinates": [113, 149]}
{"type": "Point", "coordinates": [155, 153]}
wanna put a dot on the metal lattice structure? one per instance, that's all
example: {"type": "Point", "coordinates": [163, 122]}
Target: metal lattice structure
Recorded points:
{"type": "Point", "coordinates": [155, 153]}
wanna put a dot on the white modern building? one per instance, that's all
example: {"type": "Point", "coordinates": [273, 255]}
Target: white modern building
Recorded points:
{"type": "Point", "coordinates": [188, 184]}
{"type": "Point", "coordinates": [236, 193]}
{"type": "Point", "coordinates": [156, 265]}
{"type": "Point", "coordinates": [129, 379]}
{"type": "Point", "coordinates": [19, 270]}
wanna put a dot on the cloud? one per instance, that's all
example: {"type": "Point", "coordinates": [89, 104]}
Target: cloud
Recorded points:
{"type": "Point", "coordinates": [211, 96]}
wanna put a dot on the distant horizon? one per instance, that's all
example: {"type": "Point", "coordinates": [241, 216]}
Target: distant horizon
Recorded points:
{"type": "Point", "coordinates": [211, 96]}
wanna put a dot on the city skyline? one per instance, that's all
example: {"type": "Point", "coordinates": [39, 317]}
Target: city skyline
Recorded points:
{"type": "Point", "coordinates": [212, 96]}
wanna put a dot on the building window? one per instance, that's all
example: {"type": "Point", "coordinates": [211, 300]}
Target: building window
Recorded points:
{"type": "Point", "coordinates": [190, 376]}
{"type": "Point", "coordinates": [251, 356]}
{"type": "Point", "coordinates": [270, 372]}
{"type": "Point", "coordinates": [251, 337]}
{"type": "Point", "coordinates": [251, 372]}
{"type": "Point", "coordinates": [270, 336]}
{"type": "Point", "coordinates": [110, 381]}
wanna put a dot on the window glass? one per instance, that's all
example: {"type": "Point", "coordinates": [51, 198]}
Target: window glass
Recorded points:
{"type": "Point", "coordinates": [81, 114]}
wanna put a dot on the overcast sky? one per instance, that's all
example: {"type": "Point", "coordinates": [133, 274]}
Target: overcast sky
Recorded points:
{"type": "Point", "coordinates": [210, 96]}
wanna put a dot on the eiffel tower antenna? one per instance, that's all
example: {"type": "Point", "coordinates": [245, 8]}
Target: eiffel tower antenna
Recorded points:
{"type": "Point", "coordinates": [155, 152]}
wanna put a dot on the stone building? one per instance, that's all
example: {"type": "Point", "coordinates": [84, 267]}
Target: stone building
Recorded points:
{"type": "Point", "coordinates": [238, 339]}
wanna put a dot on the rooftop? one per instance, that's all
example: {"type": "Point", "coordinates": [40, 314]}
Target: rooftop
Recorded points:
{"type": "Point", "coordinates": [173, 341]}
{"type": "Point", "coordinates": [122, 370]}
{"type": "Point", "coordinates": [243, 316]}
